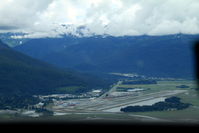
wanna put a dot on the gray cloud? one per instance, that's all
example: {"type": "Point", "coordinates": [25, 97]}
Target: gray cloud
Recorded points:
{"type": "Point", "coordinates": [5, 28]}
{"type": "Point", "coordinates": [114, 17]}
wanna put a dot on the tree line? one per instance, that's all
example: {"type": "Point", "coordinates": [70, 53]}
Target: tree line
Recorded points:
{"type": "Point", "coordinates": [172, 103]}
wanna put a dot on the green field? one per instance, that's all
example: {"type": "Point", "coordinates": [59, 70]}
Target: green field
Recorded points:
{"type": "Point", "coordinates": [161, 85]}
{"type": "Point", "coordinates": [190, 114]}
{"type": "Point", "coordinates": [192, 97]}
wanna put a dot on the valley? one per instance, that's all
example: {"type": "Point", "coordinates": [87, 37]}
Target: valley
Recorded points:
{"type": "Point", "coordinates": [97, 105]}
{"type": "Point", "coordinates": [86, 82]}
{"type": "Point", "coordinates": [99, 61]}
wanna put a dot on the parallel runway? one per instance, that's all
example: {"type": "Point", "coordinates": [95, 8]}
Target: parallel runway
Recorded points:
{"type": "Point", "coordinates": [103, 104]}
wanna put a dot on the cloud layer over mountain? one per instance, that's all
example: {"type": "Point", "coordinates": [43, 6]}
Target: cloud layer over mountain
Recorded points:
{"type": "Point", "coordinates": [50, 18]}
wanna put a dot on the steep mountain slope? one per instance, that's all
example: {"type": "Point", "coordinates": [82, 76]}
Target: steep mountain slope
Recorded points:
{"type": "Point", "coordinates": [163, 56]}
{"type": "Point", "coordinates": [23, 75]}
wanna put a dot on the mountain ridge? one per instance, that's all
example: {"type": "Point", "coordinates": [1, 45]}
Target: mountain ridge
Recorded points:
{"type": "Point", "coordinates": [23, 75]}
{"type": "Point", "coordinates": [162, 56]}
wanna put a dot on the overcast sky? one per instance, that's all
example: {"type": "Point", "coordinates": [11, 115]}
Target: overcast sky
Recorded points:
{"type": "Point", "coordinates": [45, 18]}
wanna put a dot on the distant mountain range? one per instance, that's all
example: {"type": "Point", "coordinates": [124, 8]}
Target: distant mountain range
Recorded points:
{"type": "Point", "coordinates": [162, 56]}
{"type": "Point", "coordinates": [23, 75]}
{"type": "Point", "coordinates": [10, 41]}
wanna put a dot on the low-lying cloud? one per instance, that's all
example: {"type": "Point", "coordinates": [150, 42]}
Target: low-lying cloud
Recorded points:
{"type": "Point", "coordinates": [51, 18]}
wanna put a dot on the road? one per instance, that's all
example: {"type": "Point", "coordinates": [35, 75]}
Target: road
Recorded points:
{"type": "Point", "coordinates": [113, 89]}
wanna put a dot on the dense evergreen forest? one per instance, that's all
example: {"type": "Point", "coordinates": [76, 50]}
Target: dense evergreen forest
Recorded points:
{"type": "Point", "coordinates": [22, 77]}
{"type": "Point", "coordinates": [17, 102]}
